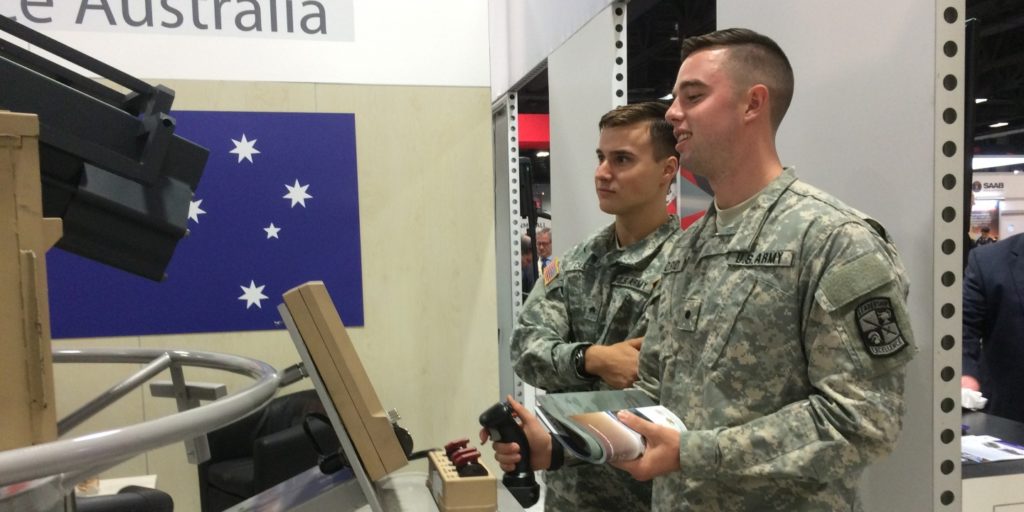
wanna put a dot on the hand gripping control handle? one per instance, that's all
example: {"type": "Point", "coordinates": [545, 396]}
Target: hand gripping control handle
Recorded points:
{"type": "Point", "coordinates": [503, 428]}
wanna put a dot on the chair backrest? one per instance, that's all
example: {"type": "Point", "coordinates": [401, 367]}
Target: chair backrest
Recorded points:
{"type": "Point", "coordinates": [130, 499]}
{"type": "Point", "coordinates": [263, 449]}
{"type": "Point", "coordinates": [288, 410]}
{"type": "Point", "coordinates": [237, 439]}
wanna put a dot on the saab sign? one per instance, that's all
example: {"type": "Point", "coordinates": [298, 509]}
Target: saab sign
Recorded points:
{"type": "Point", "coordinates": [320, 20]}
{"type": "Point", "coordinates": [987, 186]}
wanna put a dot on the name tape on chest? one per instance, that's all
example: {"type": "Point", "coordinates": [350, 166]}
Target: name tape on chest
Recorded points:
{"type": "Point", "coordinates": [637, 283]}
{"type": "Point", "coordinates": [763, 259]}
{"type": "Point", "coordinates": [879, 331]}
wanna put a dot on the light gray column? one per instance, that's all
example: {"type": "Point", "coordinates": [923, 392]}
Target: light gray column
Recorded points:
{"type": "Point", "coordinates": [865, 126]}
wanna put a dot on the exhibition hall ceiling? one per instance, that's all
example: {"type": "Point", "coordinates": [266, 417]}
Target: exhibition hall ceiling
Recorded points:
{"type": "Point", "coordinates": [999, 75]}
{"type": "Point", "coordinates": [656, 27]}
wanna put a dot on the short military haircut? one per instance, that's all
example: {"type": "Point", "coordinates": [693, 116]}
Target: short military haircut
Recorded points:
{"type": "Point", "coordinates": [653, 114]}
{"type": "Point", "coordinates": [752, 59]}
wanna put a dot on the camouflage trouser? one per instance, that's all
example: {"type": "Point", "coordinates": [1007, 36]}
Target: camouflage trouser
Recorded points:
{"type": "Point", "coordinates": [597, 488]}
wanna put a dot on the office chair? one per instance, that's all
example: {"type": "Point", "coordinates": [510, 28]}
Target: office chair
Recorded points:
{"type": "Point", "coordinates": [263, 449]}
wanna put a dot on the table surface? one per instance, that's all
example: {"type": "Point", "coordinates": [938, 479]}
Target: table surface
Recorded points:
{"type": "Point", "coordinates": [979, 423]}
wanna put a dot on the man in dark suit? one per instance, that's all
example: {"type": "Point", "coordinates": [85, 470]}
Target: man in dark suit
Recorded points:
{"type": "Point", "coordinates": [993, 326]}
{"type": "Point", "coordinates": [543, 249]}
{"type": "Point", "coordinates": [986, 236]}
{"type": "Point", "coordinates": [526, 264]}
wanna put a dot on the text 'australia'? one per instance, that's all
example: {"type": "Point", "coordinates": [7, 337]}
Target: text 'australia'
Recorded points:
{"type": "Point", "coordinates": [288, 18]}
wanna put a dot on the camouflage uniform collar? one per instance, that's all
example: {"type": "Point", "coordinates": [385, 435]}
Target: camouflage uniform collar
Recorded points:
{"type": "Point", "coordinates": [749, 226]}
{"type": "Point", "coordinates": [634, 254]}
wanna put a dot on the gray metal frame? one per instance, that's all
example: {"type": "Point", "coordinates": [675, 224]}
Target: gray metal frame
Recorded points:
{"type": "Point", "coordinates": [58, 465]}
{"type": "Point", "coordinates": [947, 298]}
{"type": "Point", "coordinates": [508, 229]}
{"type": "Point", "coordinates": [507, 216]}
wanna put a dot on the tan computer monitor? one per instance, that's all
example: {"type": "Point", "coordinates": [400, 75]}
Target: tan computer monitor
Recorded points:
{"type": "Point", "coordinates": [341, 380]}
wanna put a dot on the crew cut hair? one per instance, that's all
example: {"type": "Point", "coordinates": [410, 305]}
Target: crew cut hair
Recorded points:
{"type": "Point", "coordinates": [752, 58]}
{"type": "Point", "coordinates": [653, 114]}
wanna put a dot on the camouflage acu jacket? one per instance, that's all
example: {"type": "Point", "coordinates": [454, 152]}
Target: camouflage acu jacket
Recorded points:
{"type": "Point", "coordinates": [781, 343]}
{"type": "Point", "coordinates": [598, 295]}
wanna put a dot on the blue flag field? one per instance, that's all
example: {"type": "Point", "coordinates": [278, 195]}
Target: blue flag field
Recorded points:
{"type": "Point", "coordinates": [277, 206]}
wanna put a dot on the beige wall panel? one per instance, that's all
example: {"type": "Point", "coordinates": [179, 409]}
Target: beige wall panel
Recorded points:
{"type": "Point", "coordinates": [427, 230]}
{"type": "Point", "coordinates": [240, 96]}
{"type": "Point", "coordinates": [426, 202]}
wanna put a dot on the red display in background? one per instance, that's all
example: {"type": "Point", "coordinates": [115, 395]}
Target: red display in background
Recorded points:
{"type": "Point", "coordinates": [534, 132]}
{"type": "Point", "coordinates": [687, 221]}
{"type": "Point", "coordinates": [692, 199]}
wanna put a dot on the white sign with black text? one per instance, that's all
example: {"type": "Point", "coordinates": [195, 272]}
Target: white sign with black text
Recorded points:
{"type": "Point", "coordinates": [326, 20]}
{"type": "Point", "coordinates": [373, 42]}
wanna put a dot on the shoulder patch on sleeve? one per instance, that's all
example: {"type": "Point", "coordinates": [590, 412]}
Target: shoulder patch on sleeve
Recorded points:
{"type": "Point", "coordinates": [878, 328]}
{"type": "Point", "coordinates": [853, 280]}
{"type": "Point", "coordinates": [551, 271]}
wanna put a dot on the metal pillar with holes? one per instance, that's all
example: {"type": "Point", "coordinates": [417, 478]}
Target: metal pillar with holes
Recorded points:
{"type": "Point", "coordinates": [508, 230]}
{"type": "Point", "coordinates": [587, 77]}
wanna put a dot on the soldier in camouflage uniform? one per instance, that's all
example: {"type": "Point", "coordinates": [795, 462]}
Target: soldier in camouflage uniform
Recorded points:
{"type": "Point", "coordinates": [581, 327]}
{"type": "Point", "coordinates": [781, 332]}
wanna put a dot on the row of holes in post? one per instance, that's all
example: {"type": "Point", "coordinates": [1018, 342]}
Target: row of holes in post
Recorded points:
{"type": "Point", "coordinates": [948, 247]}
{"type": "Point", "coordinates": [620, 60]}
{"type": "Point", "coordinates": [513, 145]}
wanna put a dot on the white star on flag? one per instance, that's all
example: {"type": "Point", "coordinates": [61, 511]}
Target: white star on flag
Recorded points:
{"type": "Point", "coordinates": [272, 231]}
{"type": "Point", "coordinates": [194, 211]}
{"type": "Point", "coordinates": [253, 295]}
{"type": "Point", "coordinates": [245, 149]}
{"type": "Point", "coordinates": [297, 193]}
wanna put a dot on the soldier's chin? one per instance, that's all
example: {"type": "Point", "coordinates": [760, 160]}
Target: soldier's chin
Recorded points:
{"type": "Point", "coordinates": [608, 208]}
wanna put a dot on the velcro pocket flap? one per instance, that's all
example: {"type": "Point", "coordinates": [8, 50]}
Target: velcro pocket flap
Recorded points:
{"type": "Point", "coordinates": [852, 280]}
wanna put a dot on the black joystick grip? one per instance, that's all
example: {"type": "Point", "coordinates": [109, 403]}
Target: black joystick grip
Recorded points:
{"type": "Point", "coordinates": [502, 427]}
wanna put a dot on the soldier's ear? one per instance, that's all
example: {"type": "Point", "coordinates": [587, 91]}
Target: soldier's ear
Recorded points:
{"type": "Point", "coordinates": [757, 103]}
{"type": "Point", "coordinates": [669, 169]}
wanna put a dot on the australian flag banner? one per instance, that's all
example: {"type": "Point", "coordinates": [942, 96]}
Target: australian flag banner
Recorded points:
{"type": "Point", "coordinates": [277, 206]}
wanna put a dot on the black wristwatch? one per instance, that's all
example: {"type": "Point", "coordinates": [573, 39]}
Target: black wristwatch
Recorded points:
{"type": "Point", "coordinates": [579, 361]}
{"type": "Point", "coordinates": [557, 454]}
